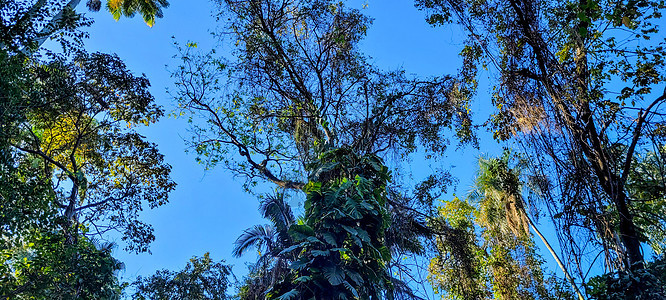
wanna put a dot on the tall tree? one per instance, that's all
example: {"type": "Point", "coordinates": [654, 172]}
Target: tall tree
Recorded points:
{"type": "Point", "coordinates": [77, 170]}
{"type": "Point", "coordinates": [72, 166]}
{"type": "Point", "coordinates": [201, 279]}
{"type": "Point", "coordinates": [270, 241]}
{"type": "Point", "coordinates": [575, 90]}
{"type": "Point", "coordinates": [506, 264]}
{"type": "Point", "coordinates": [499, 191]}
{"type": "Point", "coordinates": [77, 125]}
{"type": "Point", "coordinates": [300, 107]}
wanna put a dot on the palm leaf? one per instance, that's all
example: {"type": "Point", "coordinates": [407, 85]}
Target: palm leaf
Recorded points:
{"type": "Point", "coordinates": [256, 236]}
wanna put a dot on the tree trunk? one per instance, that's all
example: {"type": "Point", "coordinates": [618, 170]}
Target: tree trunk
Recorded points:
{"type": "Point", "coordinates": [555, 256]}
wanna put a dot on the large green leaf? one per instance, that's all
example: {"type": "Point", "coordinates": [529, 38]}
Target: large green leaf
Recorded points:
{"type": "Point", "coordinates": [323, 169]}
{"type": "Point", "coordinates": [334, 275]}
{"type": "Point", "coordinates": [289, 295]}
{"type": "Point", "coordinates": [330, 239]}
{"type": "Point", "coordinates": [300, 264]}
{"type": "Point", "coordinates": [355, 276]}
{"type": "Point", "coordinates": [300, 231]}
{"type": "Point", "coordinates": [363, 235]}
{"type": "Point", "coordinates": [320, 253]}
{"type": "Point", "coordinates": [351, 289]}
{"type": "Point", "coordinates": [289, 249]}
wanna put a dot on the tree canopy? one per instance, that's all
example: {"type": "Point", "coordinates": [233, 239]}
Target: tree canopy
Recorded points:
{"type": "Point", "coordinates": [73, 166]}
{"type": "Point", "coordinates": [579, 91]}
{"type": "Point", "coordinates": [289, 101]}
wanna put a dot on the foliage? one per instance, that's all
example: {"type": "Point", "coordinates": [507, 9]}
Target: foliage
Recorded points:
{"type": "Point", "coordinates": [149, 9]}
{"type": "Point", "coordinates": [645, 184]}
{"type": "Point", "coordinates": [504, 264]}
{"type": "Point", "coordinates": [46, 266]}
{"type": "Point", "coordinates": [298, 82]}
{"type": "Point", "coordinates": [575, 91]}
{"type": "Point", "coordinates": [341, 254]}
{"type": "Point", "coordinates": [25, 25]}
{"type": "Point", "coordinates": [652, 281]}
{"type": "Point", "coordinates": [298, 95]}
{"type": "Point", "coordinates": [77, 124]}
{"type": "Point", "coordinates": [201, 279]}
{"type": "Point", "coordinates": [71, 167]}
{"type": "Point", "coordinates": [270, 241]}
{"type": "Point", "coordinates": [458, 269]}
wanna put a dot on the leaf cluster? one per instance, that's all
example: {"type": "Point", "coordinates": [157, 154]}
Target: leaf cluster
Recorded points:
{"type": "Point", "coordinates": [201, 279]}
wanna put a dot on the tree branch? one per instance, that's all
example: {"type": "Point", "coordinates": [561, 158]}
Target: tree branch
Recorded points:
{"type": "Point", "coordinates": [637, 133]}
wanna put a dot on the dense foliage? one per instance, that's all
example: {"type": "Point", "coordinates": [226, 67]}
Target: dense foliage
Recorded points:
{"type": "Point", "coordinates": [202, 279]}
{"type": "Point", "coordinates": [578, 90]}
{"type": "Point", "coordinates": [501, 258]}
{"type": "Point", "coordinates": [71, 163]}
{"type": "Point", "coordinates": [297, 105]}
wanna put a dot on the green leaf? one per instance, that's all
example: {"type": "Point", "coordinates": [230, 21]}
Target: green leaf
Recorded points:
{"type": "Point", "coordinates": [313, 240]}
{"type": "Point", "coordinates": [330, 239]}
{"type": "Point", "coordinates": [386, 253]}
{"type": "Point", "coordinates": [116, 14]}
{"type": "Point", "coordinates": [363, 234]}
{"type": "Point", "coordinates": [351, 230]}
{"type": "Point", "coordinates": [312, 186]}
{"type": "Point", "coordinates": [288, 295]}
{"type": "Point", "coordinates": [300, 264]}
{"type": "Point", "coordinates": [300, 231]}
{"type": "Point", "coordinates": [323, 169]}
{"type": "Point", "coordinates": [355, 276]}
{"type": "Point", "coordinates": [289, 249]}
{"type": "Point", "coordinates": [302, 279]}
{"type": "Point", "coordinates": [334, 275]}
{"type": "Point", "coordinates": [320, 252]}
{"type": "Point", "coordinates": [351, 289]}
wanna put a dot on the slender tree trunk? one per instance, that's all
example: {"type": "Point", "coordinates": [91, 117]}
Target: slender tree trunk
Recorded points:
{"type": "Point", "coordinates": [555, 256]}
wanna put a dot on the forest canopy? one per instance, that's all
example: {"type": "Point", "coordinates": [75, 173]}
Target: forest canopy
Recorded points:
{"type": "Point", "coordinates": [348, 160]}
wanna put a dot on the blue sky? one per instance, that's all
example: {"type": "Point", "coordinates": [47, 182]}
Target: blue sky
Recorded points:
{"type": "Point", "coordinates": [208, 210]}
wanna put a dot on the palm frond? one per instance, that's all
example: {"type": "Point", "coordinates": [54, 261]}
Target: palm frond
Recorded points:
{"type": "Point", "coordinates": [275, 208]}
{"type": "Point", "coordinates": [257, 236]}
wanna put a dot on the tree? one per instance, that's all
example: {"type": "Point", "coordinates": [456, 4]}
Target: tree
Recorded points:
{"type": "Point", "coordinates": [457, 269]}
{"type": "Point", "coordinates": [506, 263]}
{"type": "Point", "coordinates": [77, 170]}
{"type": "Point", "coordinates": [149, 9]}
{"type": "Point", "coordinates": [70, 170]}
{"type": "Point", "coordinates": [201, 279]}
{"type": "Point", "coordinates": [26, 25]}
{"type": "Point", "coordinates": [79, 129]}
{"type": "Point", "coordinates": [270, 241]}
{"type": "Point", "coordinates": [575, 92]}
{"type": "Point", "coordinates": [499, 187]}
{"type": "Point", "coordinates": [297, 106]}
{"type": "Point", "coordinates": [48, 267]}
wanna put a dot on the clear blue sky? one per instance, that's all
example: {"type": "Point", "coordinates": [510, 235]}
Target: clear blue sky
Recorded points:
{"type": "Point", "coordinates": [209, 210]}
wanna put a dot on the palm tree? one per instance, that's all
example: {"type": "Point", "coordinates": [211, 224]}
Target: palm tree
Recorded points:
{"type": "Point", "coordinates": [65, 17]}
{"type": "Point", "coordinates": [149, 9]}
{"type": "Point", "coordinates": [269, 241]}
{"type": "Point", "coordinates": [499, 187]}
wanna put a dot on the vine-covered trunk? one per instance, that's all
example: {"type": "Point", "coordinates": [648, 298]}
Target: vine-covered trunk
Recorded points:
{"type": "Point", "coordinates": [340, 246]}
